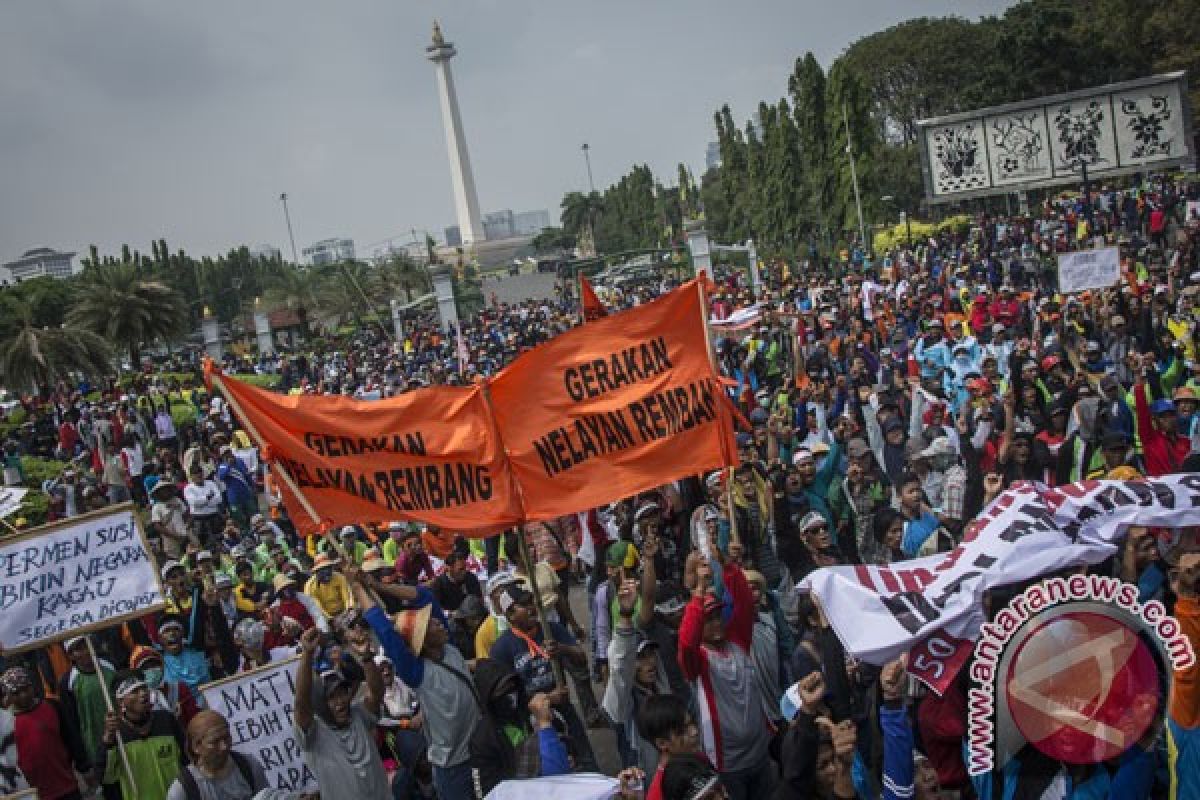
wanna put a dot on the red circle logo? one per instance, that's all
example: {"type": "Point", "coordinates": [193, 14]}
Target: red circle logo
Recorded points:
{"type": "Point", "coordinates": [1083, 688]}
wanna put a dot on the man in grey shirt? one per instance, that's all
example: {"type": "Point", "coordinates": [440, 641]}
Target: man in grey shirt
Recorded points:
{"type": "Point", "coordinates": [417, 642]}
{"type": "Point", "coordinates": [339, 744]}
{"type": "Point", "coordinates": [216, 772]}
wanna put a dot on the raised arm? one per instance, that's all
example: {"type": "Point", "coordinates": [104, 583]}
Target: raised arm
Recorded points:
{"type": "Point", "coordinates": [302, 711]}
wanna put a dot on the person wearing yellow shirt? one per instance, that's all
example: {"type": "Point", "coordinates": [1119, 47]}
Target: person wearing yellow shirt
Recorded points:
{"type": "Point", "coordinates": [329, 588]}
{"type": "Point", "coordinates": [496, 623]}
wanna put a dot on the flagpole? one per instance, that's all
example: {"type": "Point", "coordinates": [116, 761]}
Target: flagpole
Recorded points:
{"type": "Point", "coordinates": [108, 703]}
{"type": "Point", "coordinates": [712, 360]}
{"type": "Point", "coordinates": [579, 286]}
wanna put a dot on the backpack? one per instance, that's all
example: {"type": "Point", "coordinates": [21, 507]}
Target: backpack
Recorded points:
{"type": "Point", "coordinates": [191, 789]}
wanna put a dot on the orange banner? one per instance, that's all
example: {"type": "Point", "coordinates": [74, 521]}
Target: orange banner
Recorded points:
{"type": "Point", "coordinates": [623, 404]}
{"type": "Point", "coordinates": [592, 307]}
{"type": "Point", "coordinates": [431, 455]}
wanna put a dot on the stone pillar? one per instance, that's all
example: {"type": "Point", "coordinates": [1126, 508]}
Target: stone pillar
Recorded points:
{"type": "Point", "coordinates": [697, 239]}
{"type": "Point", "coordinates": [443, 288]}
{"type": "Point", "coordinates": [755, 276]}
{"type": "Point", "coordinates": [466, 202]}
{"type": "Point", "coordinates": [212, 335]}
{"type": "Point", "coordinates": [262, 332]}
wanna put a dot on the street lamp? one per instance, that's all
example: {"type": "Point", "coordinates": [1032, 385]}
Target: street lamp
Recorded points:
{"type": "Point", "coordinates": [588, 160]}
{"type": "Point", "coordinates": [288, 217]}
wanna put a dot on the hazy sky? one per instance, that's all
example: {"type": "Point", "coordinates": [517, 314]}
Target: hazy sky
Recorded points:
{"type": "Point", "coordinates": [129, 120]}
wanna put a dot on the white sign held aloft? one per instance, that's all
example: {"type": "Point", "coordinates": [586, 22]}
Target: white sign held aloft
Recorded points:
{"type": "Point", "coordinates": [1088, 269]}
{"type": "Point", "coordinates": [1028, 531]}
{"type": "Point", "coordinates": [258, 706]}
{"type": "Point", "coordinates": [78, 575]}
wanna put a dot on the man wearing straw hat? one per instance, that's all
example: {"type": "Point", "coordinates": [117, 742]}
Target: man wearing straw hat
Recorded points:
{"type": "Point", "coordinates": [417, 641]}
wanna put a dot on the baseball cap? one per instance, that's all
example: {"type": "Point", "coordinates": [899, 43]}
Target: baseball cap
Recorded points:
{"type": "Point", "coordinates": [621, 554]}
{"type": "Point", "coordinates": [1162, 406]}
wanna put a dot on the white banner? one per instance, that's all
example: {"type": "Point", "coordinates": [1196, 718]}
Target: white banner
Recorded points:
{"type": "Point", "coordinates": [739, 320]}
{"type": "Point", "coordinates": [10, 500]}
{"type": "Point", "coordinates": [74, 576]}
{"type": "Point", "coordinates": [1088, 269]}
{"type": "Point", "coordinates": [1030, 530]}
{"type": "Point", "coordinates": [258, 705]}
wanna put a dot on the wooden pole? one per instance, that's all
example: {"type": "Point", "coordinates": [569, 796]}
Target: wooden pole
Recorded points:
{"type": "Point", "coordinates": [531, 571]}
{"type": "Point", "coordinates": [108, 703]}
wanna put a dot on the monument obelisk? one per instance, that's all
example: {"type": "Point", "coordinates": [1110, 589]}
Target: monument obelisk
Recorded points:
{"type": "Point", "coordinates": [466, 203]}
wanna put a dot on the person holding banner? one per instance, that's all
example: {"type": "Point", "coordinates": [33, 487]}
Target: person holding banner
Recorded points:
{"type": "Point", "coordinates": [417, 642]}
{"type": "Point", "coordinates": [152, 741]}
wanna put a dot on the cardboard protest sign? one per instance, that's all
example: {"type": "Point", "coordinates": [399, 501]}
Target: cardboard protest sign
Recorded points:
{"type": "Point", "coordinates": [1088, 269]}
{"type": "Point", "coordinates": [258, 705]}
{"type": "Point", "coordinates": [87, 572]}
{"type": "Point", "coordinates": [620, 405]}
{"type": "Point", "coordinates": [431, 455]}
{"type": "Point", "coordinates": [880, 612]}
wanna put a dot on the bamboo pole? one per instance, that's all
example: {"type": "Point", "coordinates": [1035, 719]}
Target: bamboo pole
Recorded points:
{"type": "Point", "coordinates": [531, 571]}
{"type": "Point", "coordinates": [108, 703]}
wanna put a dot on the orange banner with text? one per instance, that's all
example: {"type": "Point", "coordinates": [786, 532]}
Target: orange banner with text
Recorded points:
{"type": "Point", "coordinates": [431, 455]}
{"type": "Point", "coordinates": [623, 404]}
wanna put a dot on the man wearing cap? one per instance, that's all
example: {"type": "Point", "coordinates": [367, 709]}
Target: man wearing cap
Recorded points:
{"type": "Point", "coordinates": [153, 741]}
{"type": "Point", "coordinates": [418, 643]}
{"type": "Point", "coordinates": [854, 500]}
{"type": "Point", "coordinates": [715, 657]}
{"type": "Point", "coordinates": [241, 496]}
{"type": "Point", "coordinates": [48, 744]}
{"type": "Point", "coordinates": [529, 649]}
{"type": "Point", "coordinates": [1163, 448]}
{"type": "Point", "coordinates": [173, 696]}
{"type": "Point", "coordinates": [83, 698]}
{"type": "Point", "coordinates": [168, 519]}
{"type": "Point", "coordinates": [330, 589]}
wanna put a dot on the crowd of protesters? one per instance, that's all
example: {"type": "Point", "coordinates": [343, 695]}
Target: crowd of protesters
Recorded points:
{"type": "Point", "coordinates": [884, 403]}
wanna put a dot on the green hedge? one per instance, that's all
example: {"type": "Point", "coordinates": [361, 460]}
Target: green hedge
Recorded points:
{"type": "Point", "coordinates": [35, 505]}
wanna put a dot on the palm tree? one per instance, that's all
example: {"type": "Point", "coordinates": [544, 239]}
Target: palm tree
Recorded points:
{"type": "Point", "coordinates": [579, 214]}
{"type": "Point", "coordinates": [37, 357]}
{"type": "Point", "coordinates": [296, 289]}
{"type": "Point", "coordinates": [401, 271]}
{"type": "Point", "coordinates": [127, 309]}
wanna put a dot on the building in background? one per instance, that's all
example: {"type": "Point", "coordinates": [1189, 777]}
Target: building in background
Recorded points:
{"type": "Point", "coordinates": [329, 251]}
{"type": "Point", "coordinates": [38, 262]}
{"type": "Point", "coordinates": [530, 223]}
{"type": "Point", "coordinates": [453, 236]}
{"type": "Point", "coordinates": [712, 156]}
{"type": "Point", "coordinates": [498, 225]}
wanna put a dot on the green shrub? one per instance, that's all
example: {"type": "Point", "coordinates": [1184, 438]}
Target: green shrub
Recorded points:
{"type": "Point", "coordinates": [39, 470]}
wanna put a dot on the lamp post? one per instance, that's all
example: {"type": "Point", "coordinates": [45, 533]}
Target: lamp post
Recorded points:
{"type": "Point", "coordinates": [588, 160]}
{"type": "Point", "coordinates": [288, 217]}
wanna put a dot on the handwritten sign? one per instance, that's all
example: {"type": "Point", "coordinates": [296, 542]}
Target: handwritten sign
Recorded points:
{"type": "Point", "coordinates": [87, 572]}
{"type": "Point", "coordinates": [258, 705]}
{"type": "Point", "coordinates": [1088, 269]}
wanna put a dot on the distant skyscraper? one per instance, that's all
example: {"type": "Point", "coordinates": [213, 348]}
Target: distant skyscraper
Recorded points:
{"type": "Point", "coordinates": [712, 156]}
{"type": "Point", "coordinates": [530, 223]}
{"type": "Point", "coordinates": [329, 251]}
{"type": "Point", "coordinates": [498, 224]}
{"type": "Point", "coordinates": [453, 236]}
{"type": "Point", "coordinates": [38, 262]}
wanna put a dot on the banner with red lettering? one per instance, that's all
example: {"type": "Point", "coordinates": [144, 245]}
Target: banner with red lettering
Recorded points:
{"type": "Point", "coordinates": [932, 607]}
{"type": "Point", "coordinates": [620, 405]}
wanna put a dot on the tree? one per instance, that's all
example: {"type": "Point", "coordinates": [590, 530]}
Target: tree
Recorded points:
{"type": "Point", "coordinates": [296, 289]}
{"type": "Point", "coordinates": [131, 311]}
{"type": "Point", "coordinates": [849, 122]}
{"type": "Point", "coordinates": [35, 357]}
{"type": "Point", "coordinates": [579, 214]}
{"type": "Point", "coordinates": [550, 240]}
{"type": "Point", "coordinates": [806, 86]}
